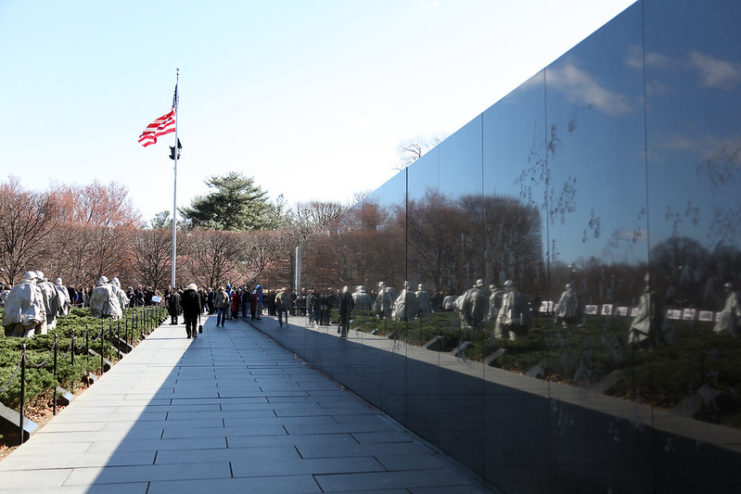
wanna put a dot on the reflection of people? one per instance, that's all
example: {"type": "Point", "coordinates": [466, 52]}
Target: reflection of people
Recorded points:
{"type": "Point", "coordinates": [24, 308]}
{"type": "Point", "coordinates": [514, 316]}
{"type": "Point", "coordinates": [346, 307]}
{"type": "Point", "coordinates": [646, 326]}
{"type": "Point", "coordinates": [472, 305]}
{"type": "Point", "coordinates": [405, 305]}
{"type": "Point", "coordinates": [103, 302]}
{"type": "Point", "coordinates": [362, 299]}
{"type": "Point", "coordinates": [424, 305]}
{"type": "Point", "coordinates": [282, 304]}
{"type": "Point", "coordinates": [567, 309]}
{"type": "Point", "coordinates": [729, 317]}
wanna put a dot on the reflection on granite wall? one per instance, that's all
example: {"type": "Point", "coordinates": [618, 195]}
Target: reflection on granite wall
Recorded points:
{"type": "Point", "coordinates": [551, 294]}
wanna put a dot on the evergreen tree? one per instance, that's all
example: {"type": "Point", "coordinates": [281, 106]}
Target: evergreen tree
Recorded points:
{"type": "Point", "coordinates": [235, 204]}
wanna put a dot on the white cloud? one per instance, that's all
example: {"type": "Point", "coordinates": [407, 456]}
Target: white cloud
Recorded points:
{"type": "Point", "coordinates": [716, 73]}
{"type": "Point", "coordinates": [581, 87]}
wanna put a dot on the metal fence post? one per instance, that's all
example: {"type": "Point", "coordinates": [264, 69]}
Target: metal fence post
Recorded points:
{"type": "Point", "coordinates": [54, 399]}
{"type": "Point", "coordinates": [23, 388]}
{"type": "Point", "coordinates": [102, 340]}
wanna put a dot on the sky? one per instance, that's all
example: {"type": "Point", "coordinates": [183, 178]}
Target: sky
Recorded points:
{"type": "Point", "coordinates": [310, 98]}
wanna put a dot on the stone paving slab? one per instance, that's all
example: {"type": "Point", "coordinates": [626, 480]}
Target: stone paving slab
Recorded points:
{"type": "Point", "coordinates": [229, 411]}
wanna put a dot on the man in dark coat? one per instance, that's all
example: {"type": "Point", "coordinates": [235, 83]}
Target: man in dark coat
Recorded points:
{"type": "Point", "coordinates": [191, 304]}
{"type": "Point", "coordinates": [173, 306]}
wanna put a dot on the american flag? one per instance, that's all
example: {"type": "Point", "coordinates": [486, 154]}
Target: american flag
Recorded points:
{"type": "Point", "coordinates": [161, 126]}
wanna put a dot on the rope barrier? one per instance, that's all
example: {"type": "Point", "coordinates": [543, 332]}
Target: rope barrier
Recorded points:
{"type": "Point", "coordinates": [51, 352]}
{"type": "Point", "coordinates": [12, 378]}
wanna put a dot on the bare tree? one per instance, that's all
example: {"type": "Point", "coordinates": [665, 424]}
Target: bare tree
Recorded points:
{"type": "Point", "coordinates": [152, 256]}
{"type": "Point", "coordinates": [413, 149]}
{"type": "Point", "coordinates": [210, 257]}
{"type": "Point", "coordinates": [25, 223]}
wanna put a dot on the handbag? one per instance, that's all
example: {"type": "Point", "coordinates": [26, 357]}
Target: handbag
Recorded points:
{"type": "Point", "coordinates": [200, 326]}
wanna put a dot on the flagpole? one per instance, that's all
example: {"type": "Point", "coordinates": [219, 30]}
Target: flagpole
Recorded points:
{"type": "Point", "coordinates": [175, 185]}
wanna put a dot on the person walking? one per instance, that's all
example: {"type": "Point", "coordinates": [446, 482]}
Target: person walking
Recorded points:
{"type": "Point", "coordinates": [222, 306]}
{"type": "Point", "coordinates": [173, 306]}
{"type": "Point", "coordinates": [257, 294]}
{"type": "Point", "coordinates": [190, 301]}
{"type": "Point", "coordinates": [235, 304]}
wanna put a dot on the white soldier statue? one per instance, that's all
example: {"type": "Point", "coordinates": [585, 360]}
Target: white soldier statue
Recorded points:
{"type": "Point", "coordinates": [63, 298]}
{"type": "Point", "coordinates": [49, 296]}
{"type": "Point", "coordinates": [24, 311]}
{"type": "Point", "coordinates": [405, 306]}
{"type": "Point", "coordinates": [362, 298]}
{"type": "Point", "coordinates": [424, 305]}
{"type": "Point", "coordinates": [103, 301]}
{"type": "Point", "coordinates": [123, 299]}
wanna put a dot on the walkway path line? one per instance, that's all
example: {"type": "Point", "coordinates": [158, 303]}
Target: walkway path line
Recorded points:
{"type": "Point", "coordinates": [230, 411]}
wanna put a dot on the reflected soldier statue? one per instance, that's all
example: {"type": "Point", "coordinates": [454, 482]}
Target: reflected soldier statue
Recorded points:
{"type": "Point", "coordinates": [472, 306]}
{"type": "Point", "coordinates": [103, 301]}
{"type": "Point", "coordinates": [513, 319]}
{"type": "Point", "coordinates": [362, 299]}
{"type": "Point", "coordinates": [405, 306]}
{"type": "Point", "coordinates": [729, 317]}
{"type": "Point", "coordinates": [384, 304]}
{"type": "Point", "coordinates": [568, 309]}
{"type": "Point", "coordinates": [24, 312]}
{"type": "Point", "coordinates": [495, 302]}
{"type": "Point", "coordinates": [51, 307]}
{"type": "Point", "coordinates": [424, 305]}
{"type": "Point", "coordinates": [63, 299]}
{"type": "Point", "coordinates": [646, 327]}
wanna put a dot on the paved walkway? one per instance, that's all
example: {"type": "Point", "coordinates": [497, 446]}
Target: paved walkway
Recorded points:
{"type": "Point", "coordinates": [231, 411]}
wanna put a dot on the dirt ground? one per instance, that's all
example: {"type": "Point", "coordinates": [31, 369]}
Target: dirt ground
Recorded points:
{"type": "Point", "coordinates": [41, 412]}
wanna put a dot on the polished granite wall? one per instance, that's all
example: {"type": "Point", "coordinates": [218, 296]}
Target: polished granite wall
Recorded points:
{"type": "Point", "coordinates": [616, 170]}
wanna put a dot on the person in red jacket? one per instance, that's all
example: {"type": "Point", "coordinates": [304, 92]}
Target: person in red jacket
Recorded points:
{"type": "Point", "coordinates": [235, 304]}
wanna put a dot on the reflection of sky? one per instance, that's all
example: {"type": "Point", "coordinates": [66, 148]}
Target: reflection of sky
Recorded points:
{"type": "Point", "coordinates": [424, 174]}
{"type": "Point", "coordinates": [460, 161]}
{"type": "Point", "coordinates": [595, 110]}
{"type": "Point", "coordinates": [392, 193]}
{"type": "Point", "coordinates": [693, 79]}
{"type": "Point", "coordinates": [594, 102]}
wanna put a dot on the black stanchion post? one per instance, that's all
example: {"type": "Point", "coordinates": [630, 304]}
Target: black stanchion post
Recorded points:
{"type": "Point", "coordinates": [110, 334]}
{"type": "Point", "coordinates": [87, 340]}
{"type": "Point", "coordinates": [54, 399]}
{"type": "Point", "coordinates": [72, 356]}
{"type": "Point", "coordinates": [102, 340]}
{"type": "Point", "coordinates": [23, 388]}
